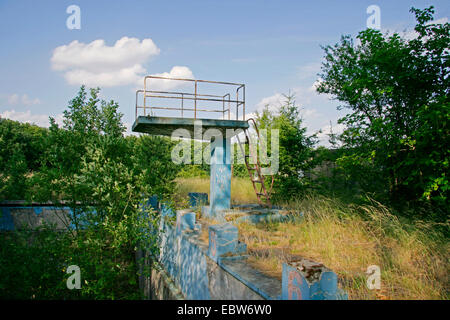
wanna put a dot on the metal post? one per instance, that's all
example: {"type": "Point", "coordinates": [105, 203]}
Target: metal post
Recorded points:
{"type": "Point", "coordinates": [135, 111]}
{"type": "Point", "coordinates": [237, 104]}
{"type": "Point", "coordinates": [182, 99]}
{"type": "Point", "coordinates": [243, 104]}
{"type": "Point", "coordinates": [229, 106]}
{"type": "Point", "coordinates": [195, 101]}
{"type": "Point", "coordinates": [145, 92]}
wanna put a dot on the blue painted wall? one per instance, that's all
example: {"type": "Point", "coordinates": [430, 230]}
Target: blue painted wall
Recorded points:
{"type": "Point", "coordinates": [183, 259]}
{"type": "Point", "coordinates": [12, 215]}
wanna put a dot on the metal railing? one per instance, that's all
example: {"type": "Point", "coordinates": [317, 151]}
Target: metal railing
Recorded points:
{"type": "Point", "coordinates": [225, 100]}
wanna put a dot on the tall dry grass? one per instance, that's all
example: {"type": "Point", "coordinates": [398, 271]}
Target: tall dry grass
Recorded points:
{"type": "Point", "coordinates": [241, 189]}
{"type": "Point", "coordinates": [413, 256]}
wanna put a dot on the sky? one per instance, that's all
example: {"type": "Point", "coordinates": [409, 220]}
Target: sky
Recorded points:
{"type": "Point", "coordinates": [273, 47]}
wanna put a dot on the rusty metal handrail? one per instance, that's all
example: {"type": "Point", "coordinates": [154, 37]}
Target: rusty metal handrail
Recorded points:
{"type": "Point", "coordinates": [192, 96]}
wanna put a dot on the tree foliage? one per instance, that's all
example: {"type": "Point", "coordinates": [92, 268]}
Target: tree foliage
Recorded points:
{"type": "Point", "coordinates": [397, 93]}
{"type": "Point", "coordinates": [105, 178]}
{"type": "Point", "coordinates": [295, 147]}
{"type": "Point", "coordinates": [20, 149]}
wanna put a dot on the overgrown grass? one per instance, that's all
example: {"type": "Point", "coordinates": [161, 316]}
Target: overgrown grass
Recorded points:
{"type": "Point", "coordinates": [413, 255]}
{"type": "Point", "coordinates": [241, 189]}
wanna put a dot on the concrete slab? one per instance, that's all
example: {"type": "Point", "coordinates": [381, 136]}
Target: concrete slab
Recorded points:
{"type": "Point", "coordinates": [166, 125]}
{"type": "Point", "coordinates": [269, 288]}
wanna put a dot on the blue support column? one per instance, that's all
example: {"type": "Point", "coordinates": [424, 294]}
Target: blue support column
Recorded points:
{"type": "Point", "coordinates": [220, 176]}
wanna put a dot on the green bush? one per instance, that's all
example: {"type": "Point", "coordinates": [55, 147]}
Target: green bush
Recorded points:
{"type": "Point", "coordinates": [398, 127]}
{"type": "Point", "coordinates": [295, 148]}
{"type": "Point", "coordinates": [90, 166]}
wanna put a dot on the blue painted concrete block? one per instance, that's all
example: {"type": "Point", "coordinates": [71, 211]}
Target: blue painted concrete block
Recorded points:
{"type": "Point", "coordinates": [328, 285]}
{"type": "Point", "coordinates": [197, 199]}
{"type": "Point", "coordinates": [166, 211]}
{"type": "Point", "coordinates": [220, 176]}
{"type": "Point", "coordinates": [223, 239]}
{"type": "Point", "coordinates": [307, 280]}
{"type": "Point", "coordinates": [6, 220]}
{"type": "Point", "coordinates": [185, 221]}
{"type": "Point", "coordinates": [182, 259]}
{"type": "Point", "coordinates": [153, 201]}
{"type": "Point", "coordinates": [189, 220]}
{"type": "Point", "coordinates": [293, 284]}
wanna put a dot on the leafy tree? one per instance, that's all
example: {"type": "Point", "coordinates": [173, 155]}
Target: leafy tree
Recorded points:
{"type": "Point", "coordinates": [21, 146]}
{"type": "Point", "coordinates": [397, 91]}
{"type": "Point", "coordinates": [295, 147]}
{"type": "Point", "coordinates": [13, 177]}
{"type": "Point", "coordinates": [152, 164]}
{"type": "Point", "coordinates": [104, 177]}
{"type": "Point", "coordinates": [33, 264]}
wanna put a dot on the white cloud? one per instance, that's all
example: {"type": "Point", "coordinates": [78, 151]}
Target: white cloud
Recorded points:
{"type": "Point", "coordinates": [16, 99]}
{"type": "Point", "coordinates": [161, 84]}
{"type": "Point", "coordinates": [439, 21]}
{"type": "Point", "coordinates": [316, 110]}
{"type": "Point", "coordinates": [41, 120]}
{"type": "Point", "coordinates": [13, 99]}
{"type": "Point", "coordinates": [97, 64]}
{"type": "Point", "coordinates": [119, 77]}
{"type": "Point", "coordinates": [323, 135]}
{"type": "Point", "coordinates": [409, 33]}
{"type": "Point", "coordinates": [273, 102]}
{"type": "Point", "coordinates": [304, 96]}
{"type": "Point", "coordinates": [310, 113]}
{"type": "Point", "coordinates": [98, 57]}
{"type": "Point", "coordinates": [309, 70]}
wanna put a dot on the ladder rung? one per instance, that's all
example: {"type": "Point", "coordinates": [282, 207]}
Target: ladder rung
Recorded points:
{"type": "Point", "coordinates": [265, 200]}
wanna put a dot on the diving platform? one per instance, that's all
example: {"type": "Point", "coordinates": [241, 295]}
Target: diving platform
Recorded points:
{"type": "Point", "coordinates": [204, 110]}
{"type": "Point", "coordinates": [165, 126]}
{"type": "Point", "coordinates": [210, 104]}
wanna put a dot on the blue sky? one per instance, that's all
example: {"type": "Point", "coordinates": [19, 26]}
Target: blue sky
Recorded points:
{"type": "Point", "coordinates": [271, 46]}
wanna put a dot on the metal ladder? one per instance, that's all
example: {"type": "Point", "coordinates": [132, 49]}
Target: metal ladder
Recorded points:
{"type": "Point", "coordinates": [254, 170]}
